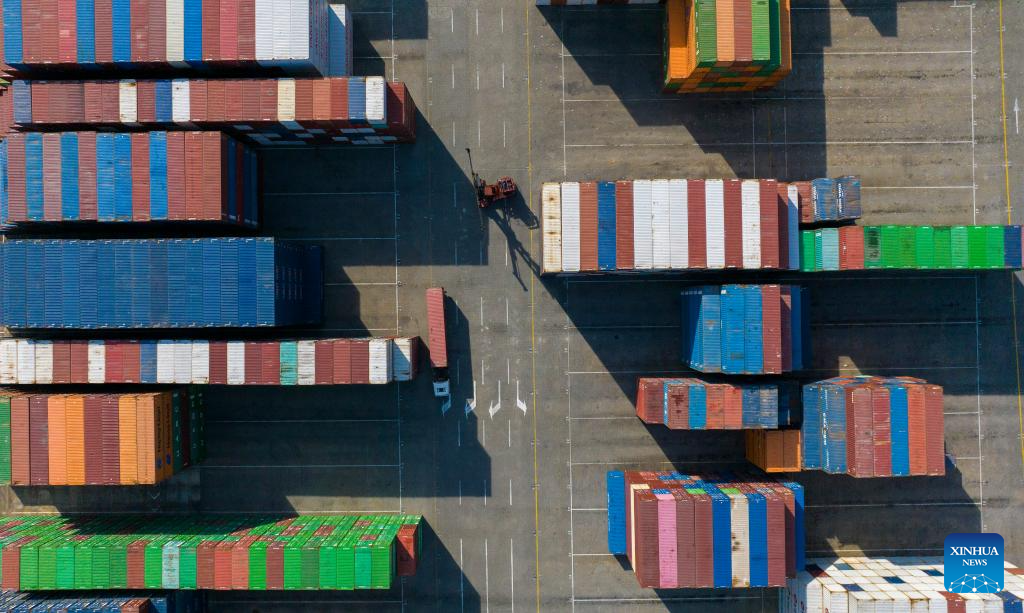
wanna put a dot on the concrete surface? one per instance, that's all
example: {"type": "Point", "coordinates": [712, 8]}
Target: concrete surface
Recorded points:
{"type": "Point", "coordinates": [905, 94]}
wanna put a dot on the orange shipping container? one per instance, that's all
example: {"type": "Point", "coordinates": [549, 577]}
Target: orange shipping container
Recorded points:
{"type": "Point", "coordinates": [146, 438]}
{"type": "Point", "coordinates": [724, 25]}
{"type": "Point", "coordinates": [57, 443]}
{"type": "Point", "coordinates": [74, 408]}
{"type": "Point", "coordinates": [127, 425]}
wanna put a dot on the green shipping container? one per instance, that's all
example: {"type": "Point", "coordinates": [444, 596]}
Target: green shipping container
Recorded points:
{"type": "Point", "coordinates": [5, 440]}
{"type": "Point", "coordinates": [187, 563]}
{"type": "Point", "coordinates": [958, 247]}
{"type": "Point", "coordinates": [976, 239]}
{"type": "Point", "coordinates": [908, 247]}
{"type": "Point", "coordinates": [289, 356]}
{"type": "Point", "coordinates": [891, 247]}
{"type": "Point", "coordinates": [943, 248]}
{"type": "Point", "coordinates": [872, 247]}
{"type": "Point", "coordinates": [706, 27]}
{"type": "Point", "coordinates": [760, 37]}
{"type": "Point", "coordinates": [807, 250]}
{"type": "Point", "coordinates": [258, 566]}
{"type": "Point", "coordinates": [83, 566]}
{"type": "Point", "coordinates": [925, 243]}
{"type": "Point", "coordinates": [994, 247]}
{"type": "Point", "coordinates": [48, 565]}
{"type": "Point", "coordinates": [66, 566]}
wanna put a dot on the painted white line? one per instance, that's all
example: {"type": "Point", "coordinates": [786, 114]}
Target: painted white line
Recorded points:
{"type": "Point", "coordinates": [453, 76]}
{"type": "Point", "coordinates": [460, 492]}
{"type": "Point", "coordinates": [487, 579]}
{"type": "Point", "coordinates": [510, 447]}
{"type": "Point", "coordinates": [495, 407]}
{"type": "Point", "coordinates": [630, 417]}
{"type": "Point", "coordinates": [501, 14]}
{"type": "Point", "coordinates": [572, 518]}
{"type": "Point", "coordinates": [458, 434]}
{"type": "Point", "coordinates": [481, 312]}
{"type": "Point", "coordinates": [506, 305]}
{"type": "Point", "coordinates": [300, 194]}
{"type": "Point", "coordinates": [509, 492]}
{"type": "Point", "coordinates": [834, 143]}
{"type": "Point", "coordinates": [512, 572]}
{"type": "Point", "coordinates": [589, 555]}
{"type": "Point", "coordinates": [290, 466]}
{"type": "Point", "coordinates": [504, 140]}
{"type": "Point", "coordinates": [479, 133]}
{"type": "Point", "coordinates": [917, 187]}
{"type": "Point", "coordinates": [483, 377]}
{"type": "Point", "coordinates": [478, 77]}
{"type": "Point", "coordinates": [338, 238]}
{"type": "Point", "coordinates": [937, 52]}
{"type": "Point", "coordinates": [462, 577]}
{"type": "Point", "coordinates": [478, 22]}
{"type": "Point", "coordinates": [574, 55]}
{"type": "Point", "coordinates": [565, 156]}
{"type": "Point", "coordinates": [671, 599]}
{"type": "Point", "coordinates": [503, 75]}
{"type": "Point", "coordinates": [298, 421]}
{"type": "Point", "coordinates": [452, 10]}
{"type": "Point", "coordinates": [601, 509]}
{"type": "Point", "coordinates": [974, 141]}
{"type": "Point", "coordinates": [350, 284]}
{"type": "Point", "coordinates": [880, 505]}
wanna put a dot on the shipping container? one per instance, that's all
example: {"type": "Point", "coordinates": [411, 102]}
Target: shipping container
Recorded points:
{"type": "Point", "coordinates": [693, 531]}
{"type": "Point", "coordinates": [855, 583]}
{"type": "Point", "coordinates": [230, 197]}
{"type": "Point", "coordinates": [336, 110]}
{"type": "Point", "coordinates": [224, 552]}
{"type": "Point", "coordinates": [161, 283]}
{"type": "Point", "coordinates": [774, 451]}
{"type": "Point", "coordinates": [681, 404]}
{"type": "Point", "coordinates": [667, 225]}
{"type": "Point", "coordinates": [97, 602]}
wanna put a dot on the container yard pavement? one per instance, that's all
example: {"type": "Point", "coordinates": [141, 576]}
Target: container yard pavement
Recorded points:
{"type": "Point", "coordinates": [881, 89]}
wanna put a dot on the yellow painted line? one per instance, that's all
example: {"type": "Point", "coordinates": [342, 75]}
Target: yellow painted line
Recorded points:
{"type": "Point", "coordinates": [527, 4]}
{"type": "Point", "coordinates": [1009, 220]}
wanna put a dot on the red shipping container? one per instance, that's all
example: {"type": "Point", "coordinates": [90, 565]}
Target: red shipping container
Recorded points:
{"type": "Point", "coordinates": [92, 98]}
{"type": "Point", "coordinates": [79, 361]}
{"type": "Point", "coordinates": [74, 102]}
{"type": "Point", "coordinates": [110, 440]}
{"type": "Point", "coordinates": [20, 446]}
{"type": "Point", "coordinates": [87, 176]}
{"type": "Point", "coordinates": [253, 363]}
{"type": "Point", "coordinates": [11, 565]}
{"type": "Point", "coordinates": [882, 432]}
{"type": "Point", "coordinates": [322, 104]}
{"type": "Point", "coordinates": [218, 362]}
{"type": "Point", "coordinates": [771, 329]}
{"type": "Point", "coordinates": [804, 203]}
{"type": "Point", "coordinates": [211, 32]}
{"type": "Point", "coordinates": [68, 31]}
{"type": "Point", "coordinates": [157, 31]}
{"type": "Point", "coordinates": [250, 99]}
{"type": "Point", "coordinates": [733, 407]}
{"type": "Point", "coordinates": [646, 535]}
{"type": "Point", "coordinates": [140, 176]}
{"type": "Point", "coordinates": [270, 358]}
{"type": "Point", "coordinates": [304, 102]}
{"type": "Point", "coordinates": [275, 565]}
{"type": "Point", "coordinates": [213, 167]}
{"type": "Point", "coordinates": [851, 244]}
{"type": "Point", "coordinates": [770, 226]}
{"type": "Point", "coordinates": [110, 91]}
{"type": "Point", "coordinates": [954, 603]}
{"type": "Point", "coordinates": [916, 425]}
{"type": "Point", "coordinates": [216, 98]}
{"type": "Point", "coordinates": [139, 15]}
{"type": "Point", "coordinates": [145, 92]}
{"type": "Point", "coordinates": [679, 408]}
{"type": "Point", "coordinates": [786, 317]}
{"type": "Point", "coordinates": [702, 544]}
{"type": "Point", "coordinates": [247, 31]}
{"type": "Point", "coordinates": [233, 100]}
{"type": "Point", "coordinates": [229, 30]}
{"type": "Point", "coordinates": [137, 564]}
{"type": "Point", "coordinates": [935, 443]}
{"type": "Point", "coordinates": [197, 105]}
{"type": "Point", "coordinates": [205, 564]}
{"type": "Point", "coordinates": [859, 431]}
{"type": "Point", "coordinates": [324, 355]}
{"type": "Point", "coordinates": [715, 407]}
{"type": "Point", "coordinates": [684, 538]}
{"type": "Point", "coordinates": [742, 32]}
{"type": "Point", "coordinates": [360, 361]}
{"type": "Point", "coordinates": [339, 102]}
{"type": "Point", "coordinates": [240, 563]}
{"type": "Point", "coordinates": [38, 434]}
{"type": "Point", "coordinates": [41, 108]}
{"type": "Point", "coordinates": [268, 100]}
{"type": "Point", "coordinates": [93, 409]}
{"type": "Point", "coordinates": [17, 203]}
{"type": "Point", "coordinates": [49, 34]}
{"type": "Point", "coordinates": [176, 163]}
{"type": "Point", "coordinates": [61, 362]}
{"type": "Point", "coordinates": [51, 177]}
{"type": "Point", "coordinates": [131, 361]}
{"type": "Point", "coordinates": [624, 225]}
{"type": "Point", "coordinates": [696, 224]}
{"type": "Point", "coordinates": [649, 399]}
{"type": "Point", "coordinates": [222, 575]}
{"type": "Point", "coordinates": [194, 164]}
{"type": "Point", "coordinates": [438, 343]}
{"type": "Point", "coordinates": [113, 369]}
{"type": "Point", "coordinates": [588, 226]}
{"type": "Point", "coordinates": [776, 524]}
{"type": "Point", "coordinates": [733, 203]}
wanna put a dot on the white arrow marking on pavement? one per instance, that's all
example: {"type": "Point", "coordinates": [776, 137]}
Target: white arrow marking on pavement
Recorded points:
{"type": "Point", "coordinates": [520, 403]}
{"type": "Point", "coordinates": [447, 404]}
{"type": "Point", "coordinates": [471, 404]}
{"type": "Point", "coordinates": [1016, 115]}
{"type": "Point", "coordinates": [496, 407]}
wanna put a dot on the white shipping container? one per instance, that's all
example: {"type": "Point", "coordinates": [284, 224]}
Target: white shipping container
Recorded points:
{"type": "Point", "coordinates": [793, 225]}
{"type": "Point", "coordinates": [750, 210]}
{"type": "Point", "coordinates": [375, 105]}
{"type": "Point", "coordinates": [286, 100]}
{"type": "Point", "coordinates": [282, 30]}
{"type": "Point", "coordinates": [571, 227]}
{"type": "Point", "coordinates": [236, 363]}
{"type": "Point", "coordinates": [171, 563]}
{"type": "Point", "coordinates": [97, 356]}
{"type": "Point", "coordinates": [180, 101]}
{"type": "Point", "coordinates": [264, 30]}
{"type": "Point", "coordinates": [835, 598]}
{"type": "Point", "coordinates": [401, 359]}
{"type": "Point", "coordinates": [128, 105]}
{"type": "Point", "coordinates": [182, 362]}
{"type": "Point", "coordinates": [8, 361]}
{"type": "Point", "coordinates": [306, 353]}
{"type": "Point", "coordinates": [739, 517]}
{"type": "Point", "coordinates": [44, 362]}
{"type": "Point", "coordinates": [27, 362]}
{"type": "Point", "coordinates": [299, 40]}
{"type": "Point", "coordinates": [165, 362]}
{"type": "Point", "coordinates": [200, 364]}
{"type": "Point", "coordinates": [551, 213]}
{"type": "Point", "coordinates": [643, 243]}
{"type": "Point", "coordinates": [679, 213]}
{"type": "Point", "coordinates": [661, 225]}
{"type": "Point", "coordinates": [174, 24]}
{"type": "Point", "coordinates": [714, 204]}
{"type": "Point", "coordinates": [380, 360]}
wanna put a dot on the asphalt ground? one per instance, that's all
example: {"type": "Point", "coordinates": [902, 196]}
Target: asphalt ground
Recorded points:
{"type": "Point", "coordinates": [908, 95]}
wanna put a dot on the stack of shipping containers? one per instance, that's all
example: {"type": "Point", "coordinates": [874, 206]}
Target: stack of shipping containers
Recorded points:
{"type": "Point", "coordinates": [690, 531]}
{"type": "Point", "coordinates": [105, 602]}
{"type": "Point", "coordinates": [695, 404]}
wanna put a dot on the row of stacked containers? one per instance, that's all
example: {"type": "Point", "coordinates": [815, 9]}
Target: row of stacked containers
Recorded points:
{"type": "Point", "coordinates": [774, 451]}
{"type": "Point", "coordinates": [223, 552]}
{"type": "Point", "coordinates": [341, 109]}
{"type": "Point", "coordinates": [670, 224]}
{"type": "Point", "coordinates": [746, 329]}
{"type": "Point", "coordinates": [99, 439]}
{"type": "Point", "coordinates": [861, 584]}
{"type": "Point", "coordinates": [873, 427]}
{"type": "Point", "coordinates": [160, 283]}
{"type": "Point", "coordinates": [918, 247]}
{"type": "Point", "coordinates": [145, 176]}
{"type": "Point", "coordinates": [337, 361]}
{"type": "Point", "coordinates": [104, 602]}
{"type": "Point", "coordinates": [690, 531]}
{"type": "Point", "coordinates": [825, 200]}
{"type": "Point", "coordinates": [696, 404]}
{"type": "Point", "coordinates": [295, 36]}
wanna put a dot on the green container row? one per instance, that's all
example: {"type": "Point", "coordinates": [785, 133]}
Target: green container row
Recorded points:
{"type": "Point", "coordinates": [244, 552]}
{"type": "Point", "coordinates": [917, 247]}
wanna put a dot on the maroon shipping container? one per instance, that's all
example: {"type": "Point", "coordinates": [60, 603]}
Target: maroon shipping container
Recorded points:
{"type": "Point", "coordinates": [137, 564]}
{"type": "Point", "coordinates": [145, 93]}
{"type": "Point", "coordinates": [157, 30]}
{"type": "Point", "coordinates": [679, 408]}
{"type": "Point", "coordinates": [41, 104]}
{"type": "Point", "coordinates": [770, 226]}
{"type": "Point", "coordinates": [20, 456]}
{"type": "Point", "coordinates": [132, 361]}
{"type": "Point", "coordinates": [250, 99]}
{"type": "Point", "coordinates": [38, 431]}
{"type": "Point", "coordinates": [696, 224]}
{"type": "Point", "coordinates": [74, 104]}
{"type": "Point", "coordinates": [342, 362]}
{"type": "Point", "coordinates": [176, 199]}
{"type": "Point", "coordinates": [646, 564]}
{"type": "Point", "coordinates": [882, 434]}
{"type": "Point", "coordinates": [218, 362]}
{"type": "Point", "coordinates": [93, 409]}
{"type": "Point", "coordinates": [685, 566]}
{"type": "Point", "coordinates": [859, 431]}
{"type": "Point", "coordinates": [112, 367]}
{"type": "Point", "coordinates": [51, 177]}
{"type": "Point", "coordinates": [92, 101]}
{"type": "Point", "coordinates": [649, 394]}
{"type": "Point", "coordinates": [733, 407]}
{"type": "Point", "coordinates": [733, 203]}
{"type": "Point", "coordinates": [324, 354]}
{"type": "Point", "coordinates": [193, 175]}
{"type": "Point", "coordinates": [233, 100]}
{"type": "Point", "coordinates": [68, 45]}
{"type": "Point", "coordinates": [360, 361]}
{"type": "Point", "coordinates": [11, 564]}
{"type": "Point", "coordinates": [246, 31]}
{"type": "Point", "coordinates": [322, 104]}
{"type": "Point", "coordinates": [934, 431]}
{"type": "Point", "coordinates": [229, 30]}
{"type": "Point", "coordinates": [742, 33]}
{"type": "Point", "coordinates": [270, 364]}
{"type": "Point", "coordinates": [588, 226]}
{"type": "Point", "coordinates": [79, 361]}
{"type": "Point", "coordinates": [205, 565]}
{"type": "Point", "coordinates": [17, 210]}
{"type": "Point", "coordinates": [253, 363]}
{"type": "Point", "coordinates": [787, 331]}
{"type": "Point", "coordinates": [268, 100]}
{"type": "Point", "coordinates": [211, 206]}
{"type": "Point", "coordinates": [916, 433]}
{"type": "Point", "coordinates": [240, 562]}
{"type": "Point", "coordinates": [139, 16]}
{"type": "Point", "coordinates": [275, 565]}
{"type": "Point", "coordinates": [197, 94]}
{"type": "Point", "coordinates": [771, 329]}
{"type": "Point", "coordinates": [436, 328]}
{"type": "Point", "coordinates": [211, 32]}
{"type": "Point", "coordinates": [61, 363]}
{"type": "Point", "coordinates": [804, 203]}
{"type": "Point", "coordinates": [851, 244]}
{"type": "Point", "coordinates": [776, 524]}
{"type": "Point", "coordinates": [110, 442]}
{"type": "Point", "coordinates": [703, 530]}
{"type": "Point", "coordinates": [405, 550]}
{"type": "Point", "coordinates": [624, 225]}
{"type": "Point", "coordinates": [87, 207]}
{"type": "Point", "coordinates": [216, 99]}
{"type": "Point", "coordinates": [954, 603]}
{"type": "Point", "coordinates": [715, 407]}
{"type": "Point", "coordinates": [140, 176]}
{"type": "Point", "coordinates": [304, 102]}
{"type": "Point", "coordinates": [110, 91]}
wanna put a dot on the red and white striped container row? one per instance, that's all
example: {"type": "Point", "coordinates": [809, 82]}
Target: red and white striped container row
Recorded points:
{"type": "Point", "coordinates": [359, 110]}
{"type": "Point", "coordinates": [281, 362]}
